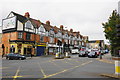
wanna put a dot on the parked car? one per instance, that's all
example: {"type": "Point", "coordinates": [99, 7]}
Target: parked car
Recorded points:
{"type": "Point", "coordinates": [92, 54]}
{"type": "Point", "coordinates": [12, 56]}
{"type": "Point", "coordinates": [75, 50]}
{"type": "Point", "coordinates": [82, 54]}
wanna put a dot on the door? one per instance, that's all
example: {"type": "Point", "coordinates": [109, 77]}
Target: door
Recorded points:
{"type": "Point", "coordinates": [40, 50]}
{"type": "Point", "coordinates": [25, 51]}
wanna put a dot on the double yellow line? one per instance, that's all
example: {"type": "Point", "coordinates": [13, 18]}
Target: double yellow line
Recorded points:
{"type": "Point", "coordinates": [65, 70]}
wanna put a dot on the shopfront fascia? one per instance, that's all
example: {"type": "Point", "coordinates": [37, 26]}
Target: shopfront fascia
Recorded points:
{"type": "Point", "coordinates": [53, 48]}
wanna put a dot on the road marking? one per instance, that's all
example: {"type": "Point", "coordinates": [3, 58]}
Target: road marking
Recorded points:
{"type": "Point", "coordinates": [67, 69]}
{"type": "Point", "coordinates": [86, 63]}
{"type": "Point", "coordinates": [42, 70]}
{"type": "Point", "coordinates": [3, 67]}
{"type": "Point", "coordinates": [67, 62]}
{"type": "Point", "coordinates": [13, 76]}
{"type": "Point", "coordinates": [16, 74]}
{"type": "Point", "coordinates": [105, 61]}
{"type": "Point", "coordinates": [56, 65]}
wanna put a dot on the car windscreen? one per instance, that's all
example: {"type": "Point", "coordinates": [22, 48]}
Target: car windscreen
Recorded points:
{"type": "Point", "coordinates": [82, 51]}
{"type": "Point", "coordinates": [10, 54]}
{"type": "Point", "coordinates": [92, 52]}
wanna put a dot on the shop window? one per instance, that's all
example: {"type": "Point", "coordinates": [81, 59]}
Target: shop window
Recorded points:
{"type": "Point", "coordinates": [28, 35]}
{"type": "Point", "coordinates": [12, 50]}
{"type": "Point", "coordinates": [20, 35]}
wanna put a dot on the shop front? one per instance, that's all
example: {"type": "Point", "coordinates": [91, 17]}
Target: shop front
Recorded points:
{"type": "Point", "coordinates": [41, 49]}
{"type": "Point", "coordinates": [53, 49]}
{"type": "Point", "coordinates": [24, 48]}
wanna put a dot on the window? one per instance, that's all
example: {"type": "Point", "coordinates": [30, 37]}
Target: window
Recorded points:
{"type": "Point", "coordinates": [28, 36]}
{"type": "Point", "coordinates": [28, 25]}
{"type": "Point", "coordinates": [51, 40]}
{"type": "Point", "coordinates": [41, 38]}
{"type": "Point", "coordinates": [20, 34]}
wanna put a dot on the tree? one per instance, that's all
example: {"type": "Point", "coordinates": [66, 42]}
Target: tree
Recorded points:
{"type": "Point", "coordinates": [110, 31]}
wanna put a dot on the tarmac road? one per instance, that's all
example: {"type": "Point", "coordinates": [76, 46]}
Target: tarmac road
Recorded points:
{"type": "Point", "coordinates": [38, 68]}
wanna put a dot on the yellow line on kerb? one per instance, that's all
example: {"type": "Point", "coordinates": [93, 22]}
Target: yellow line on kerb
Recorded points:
{"type": "Point", "coordinates": [42, 70]}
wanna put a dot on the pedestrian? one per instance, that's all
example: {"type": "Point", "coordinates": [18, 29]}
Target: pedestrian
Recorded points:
{"type": "Point", "coordinates": [2, 55]}
{"type": "Point", "coordinates": [100, 55]}
{"type": "Point", "coordinates": [31, 55]}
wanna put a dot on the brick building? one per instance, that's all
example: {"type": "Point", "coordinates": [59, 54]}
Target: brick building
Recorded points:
{"type": "Point", "coordinates": [25, 35]}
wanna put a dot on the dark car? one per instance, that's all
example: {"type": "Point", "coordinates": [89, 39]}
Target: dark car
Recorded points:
{"type": "Point", "coordinates": [12, 56]}
{"type": "Point", "coordinates": [92, 54]}
{"type": "Point", "coordinates": [82, 54]}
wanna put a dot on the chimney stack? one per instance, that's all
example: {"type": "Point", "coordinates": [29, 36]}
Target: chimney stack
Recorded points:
{"type": "Point", "coordinates": [27, 15]}
{"type": "Point", "coordinates": [71, 30]}
{"type": "Point", "coordinates": [61, 27]}
{"type": "Point", "coordinates": [48, 22]}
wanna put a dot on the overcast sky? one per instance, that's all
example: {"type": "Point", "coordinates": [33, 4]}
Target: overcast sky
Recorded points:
{"type": "Point", "coordinates": [85, 16]}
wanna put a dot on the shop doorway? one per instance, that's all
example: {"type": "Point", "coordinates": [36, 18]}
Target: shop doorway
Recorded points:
{"type": "Point", "coordinates": [27, 51]}
{"type": "Point", "coordinates": [40, 50]}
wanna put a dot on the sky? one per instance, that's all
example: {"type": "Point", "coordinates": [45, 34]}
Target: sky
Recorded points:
{"type": "Point", "coordinates": [85, 16]}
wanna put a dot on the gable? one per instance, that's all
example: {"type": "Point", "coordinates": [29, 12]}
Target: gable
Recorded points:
{"type": "Point", "coordinates": [41, 30]}
{"type": "Point", "coordinates": [10, 15]}
{"type": "Point", "coordinates": [29, 27]}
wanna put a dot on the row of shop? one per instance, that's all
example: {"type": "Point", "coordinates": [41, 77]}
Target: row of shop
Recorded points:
{"type": "Point", "coordinates": [39, 49]}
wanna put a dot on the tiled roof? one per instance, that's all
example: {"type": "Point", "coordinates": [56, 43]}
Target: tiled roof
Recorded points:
{"type": "Point", "coordinates": [21, 18]}
{"type": "Point", "coordinates": [35, 23]}
{"type": "Point", "coordinates": [56, 29]}
{"type": "Point", "coordinates": [47, 26]}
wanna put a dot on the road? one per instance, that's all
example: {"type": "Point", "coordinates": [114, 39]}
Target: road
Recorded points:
{"type": "Point", "coordinates": [43, 67]}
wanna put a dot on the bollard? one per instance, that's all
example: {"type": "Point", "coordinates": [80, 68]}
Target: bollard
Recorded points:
{"type": "Point", "coordinates": [100, 56]}
{"type": "Point", "coordinates": [117, 67]}
{"type": "Point", "coordinates": [66, 54]}
{"type": "Point", "coordinates": [57, 55]}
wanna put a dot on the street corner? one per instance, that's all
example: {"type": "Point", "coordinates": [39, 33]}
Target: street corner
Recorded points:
{"type": "Point", "coordinates": [111, 75]}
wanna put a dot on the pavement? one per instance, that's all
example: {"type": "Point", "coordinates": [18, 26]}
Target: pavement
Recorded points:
{"type": "Point", "coordinates": [107, 58]}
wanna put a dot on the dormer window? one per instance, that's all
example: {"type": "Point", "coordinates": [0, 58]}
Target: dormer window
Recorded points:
{"type": "Point", "coordinates": [28, 25]}
{"type": "Point", "coordinates": [51, 33]}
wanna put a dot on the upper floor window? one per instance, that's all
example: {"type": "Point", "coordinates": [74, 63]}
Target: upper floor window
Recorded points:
{"type": "Point", "coordinates": [51, 40]}
{"type": "Point", "coordinates": [20, 35]}
{"type": "Point", "coordinates": [41, 29]}
{"type": "Point", "coordinates": [28, 35]}
{"type": "Point", "coordinates": [28, 25]}
{"type": "Point", "coordinates": [41, 38]}
{"type": "Point", "coordinates": [51, 33]}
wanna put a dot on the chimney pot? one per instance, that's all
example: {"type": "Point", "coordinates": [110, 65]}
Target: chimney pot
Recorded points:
{"type": "Point", "coordinates": [27, 15]}
{"type": "Point", "coordinates": [48, 22]}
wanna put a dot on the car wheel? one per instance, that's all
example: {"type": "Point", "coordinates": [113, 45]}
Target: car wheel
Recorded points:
{"type": "Point", "coordinates": [6, 57]}
{"type": "Point", "coordinates": [9, 58]}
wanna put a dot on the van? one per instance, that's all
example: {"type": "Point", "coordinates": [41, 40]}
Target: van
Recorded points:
{"type": "Point", "coordinates": [75, 50]}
